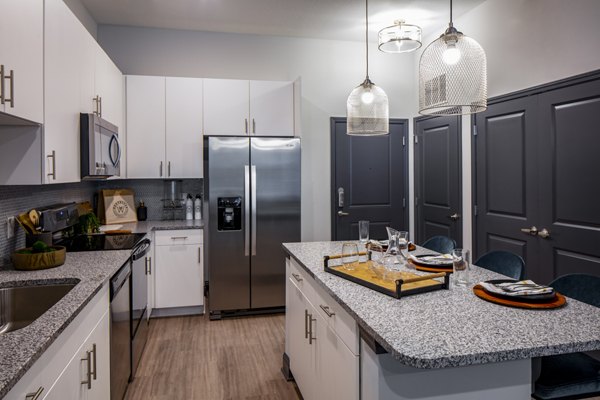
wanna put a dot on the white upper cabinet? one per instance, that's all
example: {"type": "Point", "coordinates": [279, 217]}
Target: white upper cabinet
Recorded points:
{"type": "Point", "coordinates": [238, 107]}
{"type": "Point", "coordinates": [146, 127]}
{"type": "Point", "coordinates": [272, 108]}
{"type": "Point", "coordinates": [21, 51]}
{"type": "Point", "coordinates": [109, 88]}
{"type": "Point", "coordinates": [226, 107]}
{"type": "Point", "coordinates": [65, 83]}
{"type": "Point", "coordinates": [184, 127]}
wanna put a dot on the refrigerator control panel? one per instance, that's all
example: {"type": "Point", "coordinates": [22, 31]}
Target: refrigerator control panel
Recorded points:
{"type": "Point", "coordinates": [230, 213]}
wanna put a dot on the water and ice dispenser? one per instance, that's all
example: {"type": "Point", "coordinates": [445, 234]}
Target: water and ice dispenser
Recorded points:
{"type": "Point", "coordinates": [230, 213]}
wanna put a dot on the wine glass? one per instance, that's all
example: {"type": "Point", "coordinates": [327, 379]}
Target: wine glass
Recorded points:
{"type": "Point", "coordinates": [349, 256]}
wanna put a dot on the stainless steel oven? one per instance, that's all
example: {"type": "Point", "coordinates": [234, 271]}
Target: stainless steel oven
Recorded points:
{"type": "Point", "coordinates": [140, 265]}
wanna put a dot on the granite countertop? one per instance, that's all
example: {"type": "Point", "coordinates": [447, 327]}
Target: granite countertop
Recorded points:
{"type": "Point", "coordinates": [451, 328]}
{"type": "Point", "coordinates": [90, 270]}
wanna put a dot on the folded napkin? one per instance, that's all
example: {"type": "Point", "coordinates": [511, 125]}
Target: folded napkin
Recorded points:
{"type": "Point", "coordinates": [440, 259]}
{"type": "Point", "coordinates": [520, 288]}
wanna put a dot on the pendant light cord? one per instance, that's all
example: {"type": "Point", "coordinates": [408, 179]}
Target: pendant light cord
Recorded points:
{"type": "Point", "coordinates": [367, 34]}
{"type": "Point", "coordinates": [451, 24]}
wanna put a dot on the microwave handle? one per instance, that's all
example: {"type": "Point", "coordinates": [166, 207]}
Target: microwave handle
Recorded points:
{"type": "Point", "coordinates": [114, 139]}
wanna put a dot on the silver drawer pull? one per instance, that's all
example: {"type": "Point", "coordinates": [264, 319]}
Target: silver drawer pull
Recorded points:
{"type": "Point", "coordinates": [297, 277]}
{"type": "Point", "coordinates": [36, 395]}
{"type": "Point", "coordinates": [305, 324]}
{"type": "Point", "coordinates": [310, 333]}
{"type": "Point", "coordinates": [178, 237]}
{"type": "Point", "coordinates": [327, 310]}
{"type": "Point", "coordinates": [94, 363]}
{"type": "Point", "coordinates": [88, 360]}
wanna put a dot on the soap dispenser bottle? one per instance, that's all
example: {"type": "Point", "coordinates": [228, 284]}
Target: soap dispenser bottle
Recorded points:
{"type": "Point", "coordinates": [142, 211]}
{"type": "Point", "coordinates": [198, 208]}
{"type": "Point", "coordinates": [189, 208]}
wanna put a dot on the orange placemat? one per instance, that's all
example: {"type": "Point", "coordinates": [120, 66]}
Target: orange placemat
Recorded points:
{"type": "Point", "coordinates": [557, 302]}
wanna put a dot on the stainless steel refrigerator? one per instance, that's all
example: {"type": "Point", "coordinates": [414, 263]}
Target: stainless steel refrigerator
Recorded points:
{"type": "Point", "coordinates": [252, 206]}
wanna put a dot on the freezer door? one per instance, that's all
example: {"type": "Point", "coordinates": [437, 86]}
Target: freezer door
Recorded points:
{"type": "Point", "coordinates": [228, 248]}
{"type": "Point", "coordinates": [275, 177]}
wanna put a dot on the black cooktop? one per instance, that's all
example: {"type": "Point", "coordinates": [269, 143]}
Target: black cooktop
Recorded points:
{"type": "Point", "coordinates": [98, 242]}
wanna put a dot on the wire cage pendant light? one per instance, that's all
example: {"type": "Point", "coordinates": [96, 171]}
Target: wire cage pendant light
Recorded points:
{"type": "Point", "coordinates": [367, 108]}
{"type": "Point", "coordinates": [452, 75]}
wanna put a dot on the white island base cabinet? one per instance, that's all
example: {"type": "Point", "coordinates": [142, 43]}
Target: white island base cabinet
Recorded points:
{"type": "Point", "coordinates": [61, 371]}
{"type": "Point", "coordinates": [384, 378]}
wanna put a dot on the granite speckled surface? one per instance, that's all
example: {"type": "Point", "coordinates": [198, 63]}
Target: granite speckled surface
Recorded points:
{"type": "Point", "coordinates": [90, 271]}
{"type": "Point", "coordinates": [451, 328]}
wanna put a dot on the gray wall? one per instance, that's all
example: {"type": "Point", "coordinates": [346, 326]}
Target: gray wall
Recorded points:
{"type": "Point", "coordinates": [17, 199]}
{"type": "Point", "coordinates": [329, 70]}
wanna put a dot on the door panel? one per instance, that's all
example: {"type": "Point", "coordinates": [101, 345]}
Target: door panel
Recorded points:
{"type": "Point", "coordinates": [226, 107]}
{"type": "Point", "coordinates": [506, 178]}
{"type": "Point", "coordinates": [437, 178]}
{"type": "Point", "coordinates": [272, 108]}
{"type": "Point", "coordinates": [569, 189]}
{"type": "Point", "coordinates": [276, 163]}
{"type": "Point", "coordinates": [228, 266]}
{"type": "Point", "coordinates": [372, 173]}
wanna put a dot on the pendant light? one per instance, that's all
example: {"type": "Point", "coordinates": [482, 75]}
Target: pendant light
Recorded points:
{"type": "Point", "coordinates": [452, 75]}
{"type": "Point", "coordinates": [367, 108]}
{"type": "Point", "coordinates": [400, 38]}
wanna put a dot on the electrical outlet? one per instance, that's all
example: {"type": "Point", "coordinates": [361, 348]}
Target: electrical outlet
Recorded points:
{"type": "Point", "coordinates": [10, 227]}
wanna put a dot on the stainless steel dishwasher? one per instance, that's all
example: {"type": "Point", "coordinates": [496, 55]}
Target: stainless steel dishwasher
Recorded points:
{"type": "Point", "coordinates": [120, 332]}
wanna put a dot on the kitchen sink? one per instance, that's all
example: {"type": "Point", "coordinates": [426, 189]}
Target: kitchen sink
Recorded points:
{"type": "Point", "coordinates": [21, 305]}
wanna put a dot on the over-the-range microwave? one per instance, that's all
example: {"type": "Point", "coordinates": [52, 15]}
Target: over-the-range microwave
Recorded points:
{"type": "Point", "coordinates": [100, 148]}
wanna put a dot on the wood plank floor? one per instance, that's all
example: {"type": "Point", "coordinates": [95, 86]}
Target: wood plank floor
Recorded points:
{"type": "Point", "coordinates": [194, 358]}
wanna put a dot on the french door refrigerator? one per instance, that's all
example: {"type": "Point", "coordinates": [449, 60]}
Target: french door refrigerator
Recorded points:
{"type": "Point", "coordinates": [252, 206]}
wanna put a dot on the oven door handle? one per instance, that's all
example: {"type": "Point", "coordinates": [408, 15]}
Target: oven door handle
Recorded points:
{"type": "Point", "coordinates": [140, 249]}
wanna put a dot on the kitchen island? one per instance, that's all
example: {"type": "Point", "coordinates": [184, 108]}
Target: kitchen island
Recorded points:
{"type": "Point", "coordinates": [446, 343]}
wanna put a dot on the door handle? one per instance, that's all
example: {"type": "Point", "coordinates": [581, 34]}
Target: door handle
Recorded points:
{"type": "Point", "coordinates": [150, 265]}
{"type": "Point", "coordinates": [94, 362]}
{"type": "Point", "coordinates": [531, 231]}
{"type": "Point", "coordinates": [253, 191]}
{"type": "Point", "coordinates": [342, 214]}
{"type": "Point", "coordinates": [53, 156]}
{"type": "Point", "coordinates": [36, 395]}
{"type": "Point", "coordinates": [327, 310]}
{"type": "Point", "coordinates": [169, 169]}
{"type": "Point", "coordinates": [246, 125]}
{"type": "Point", "coordinates": [454, 217]}
{"type": "Point", "coordinates": [160, 169]}
{"type": "Point", "coordinates": [544, 233]}
{"type": "Point", "coordinates": [10, 100]}
{"type": "Point", "coordinates": [146, 265]}
{"type": "Point", "coordinates": [297, 277]}
{"type": "Point", "coordinates": [246, 210]}
{"type": "Point", "coordinates": [253, 126]}
{"type": "Point", "coordinates": [305, 324]}
{"type": "Point", "coordinates": [88, 360]}
{"type": "Point", "coordinates": [310, 330]}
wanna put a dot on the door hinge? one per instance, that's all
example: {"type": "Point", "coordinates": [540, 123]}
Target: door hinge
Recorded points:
{"type": "Point", "coordinates": [403, 141]}
{"type": "Point", "coordinates": [474, 130]}
{"type": "Point", "coordinates": [416, 139]}
{"type": "Point", "coordinates": [404, 202]}
{"type": "Point", "coordinates": [475, 210]}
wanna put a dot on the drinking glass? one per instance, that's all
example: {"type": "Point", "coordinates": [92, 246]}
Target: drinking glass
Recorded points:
{"type": "Point", "coordinates": [349, 256]}
{"type": "Point", "coordinates": [460, 266]}
{"type": "Point", "coordinates": [363, 237]}
{"type": "Point", "coordinates": [403, 242]}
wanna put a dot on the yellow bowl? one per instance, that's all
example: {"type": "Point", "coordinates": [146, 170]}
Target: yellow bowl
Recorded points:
{"type": "Point", "coordinates": [36, 261]}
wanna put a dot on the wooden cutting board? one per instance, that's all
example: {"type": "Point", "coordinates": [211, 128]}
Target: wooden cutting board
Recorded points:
{"type": "Point", "coordinates": [557, 302]}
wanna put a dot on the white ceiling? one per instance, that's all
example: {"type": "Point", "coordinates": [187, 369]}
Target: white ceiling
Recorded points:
{"type": "Point", "coordinates": [324, 19]}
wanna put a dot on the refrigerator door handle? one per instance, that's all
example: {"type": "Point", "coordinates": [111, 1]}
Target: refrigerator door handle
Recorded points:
{"type": "Point", "coordinates": [253, 188]}
{"type": "Point", "coordinates": [246, 210]}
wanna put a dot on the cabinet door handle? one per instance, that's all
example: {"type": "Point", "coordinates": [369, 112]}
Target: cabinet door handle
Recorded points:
{"type": "Point", "coordinates": [178, 237]}
{"type": "Point", "coordinates": [53, 173]}
{"type": "Point", "coordinates": [310, 333]}
{"type": "Point", "coordinates": [160, 169]}
{"type": "Point", "coordinates": [305, 324]}
{"type": "Point", "coordinates": [246, 125]}
{"type": "Point", "coordinates": [10, 100]}
{"type": "Point", "coordinates": [94, 362]}
{"type": "Point", "coordinates": [327, 310]}
{"type": "Point", "coordinates": [297, 277]}
{"type": "Point", "coordinates": [169, 168]}
{"type": "Point", "coordinates": [88, 360]}
{"type": "Point", "coordinates": [2, 94]}
{"type": "Point", "coordinates": [199, 255]}
{"type": "Point", "coordinates": [100, 113]}
{"type": "Point", "coordinates": [146, 265]}
{"type": "Point", "coordinates": [150, 265]}
{"type": "Point", "coordinates": [253, 126]}
{"type": "Point", "coordinates": [35, 395]}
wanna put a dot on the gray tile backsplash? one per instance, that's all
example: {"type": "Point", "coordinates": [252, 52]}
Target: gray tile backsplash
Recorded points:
{"type": "Point", "coordinates": [18, 199]}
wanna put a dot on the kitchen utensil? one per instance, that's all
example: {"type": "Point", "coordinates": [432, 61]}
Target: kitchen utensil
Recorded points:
{"type": "Point", "coordinates": [34, 217]}
{"type": "Point", "coordinates": [25, 222]}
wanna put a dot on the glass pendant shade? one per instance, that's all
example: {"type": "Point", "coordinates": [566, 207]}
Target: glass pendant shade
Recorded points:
{"type": "Point", "coordinates": [400, 38]}
{"type": "Point", "coordinates": [367, 110]}
{"type": "Point", "coordinates": [452, 76]}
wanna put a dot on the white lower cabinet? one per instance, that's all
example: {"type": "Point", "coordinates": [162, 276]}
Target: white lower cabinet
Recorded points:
{"type": "Point", "coordinates": [61, 371]}
{"type": "Point", "coordinates": [322, 364]}
{"type": "Point", "coordinates": [178, 269]}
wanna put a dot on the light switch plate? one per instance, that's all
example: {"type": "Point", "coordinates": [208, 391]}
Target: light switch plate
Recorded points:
{"type": "Point", "coordinates": [10, 227]}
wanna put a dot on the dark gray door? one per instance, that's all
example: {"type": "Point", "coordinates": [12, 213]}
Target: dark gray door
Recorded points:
{"type": "Point", "coordinates": [438, 188]}
{"type": "Point", "coordinates": [275, 187]}
{"type": "Point", "coordinates": [368, 180]}
{"type": "Point", "coordinates": [569, 128]}
{"type": "Point", "coordinates": [506, 176]}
